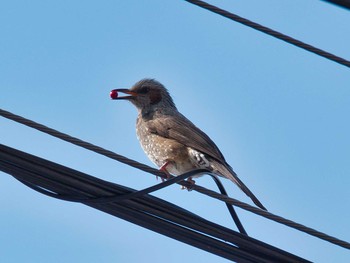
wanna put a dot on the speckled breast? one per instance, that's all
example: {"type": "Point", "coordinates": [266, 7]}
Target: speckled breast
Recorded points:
{"type": "Point", "coordinates": [154, 147]}
{"type": "Point", "coordinates": [160, 150]}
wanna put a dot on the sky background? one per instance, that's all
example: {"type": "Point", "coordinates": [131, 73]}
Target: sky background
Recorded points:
{"type": "Point", "coordinates": [279, 114]}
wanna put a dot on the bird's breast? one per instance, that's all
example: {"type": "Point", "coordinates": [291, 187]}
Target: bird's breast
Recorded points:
{"type": "Point", "coordinates": [161, 150]}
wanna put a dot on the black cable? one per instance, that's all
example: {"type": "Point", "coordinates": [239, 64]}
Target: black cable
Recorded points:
{"type": "Point", "coordinates": [147, 211]}
{"type": "Point", "coordinates": [341, 3]}
{"type": "Point", "coordinates": [83, 144]}
{"type": "Point", "coordinates": [119, 198]}
{"type": "Point", "coordinates": [270, 32]}
{"type": "Point", "coordinates": [229, 207]}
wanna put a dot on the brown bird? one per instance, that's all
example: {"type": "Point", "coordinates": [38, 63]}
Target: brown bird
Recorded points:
{"type": "Point", "coordinates": [170, 140]}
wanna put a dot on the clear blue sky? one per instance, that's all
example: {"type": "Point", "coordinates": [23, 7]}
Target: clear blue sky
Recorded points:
{"type": "Point", "coordinates": [279, 114]}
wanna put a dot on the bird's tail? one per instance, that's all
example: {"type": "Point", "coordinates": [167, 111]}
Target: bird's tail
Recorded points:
{"type": "Point", "coordinates": [227, 172]}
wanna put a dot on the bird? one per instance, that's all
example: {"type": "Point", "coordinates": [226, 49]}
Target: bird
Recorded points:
{"type": "Point", "coordinates": [170, 140]}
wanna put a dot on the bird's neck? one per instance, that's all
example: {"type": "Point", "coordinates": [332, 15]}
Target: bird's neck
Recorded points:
{"type": "Point", "coordinates": [150, 113]}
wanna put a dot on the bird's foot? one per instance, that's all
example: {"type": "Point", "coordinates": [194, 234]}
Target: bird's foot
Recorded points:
{"type": "Point", "coordinates": [163, 169]}
{"type": "Point", "coordinates": [192, 183]}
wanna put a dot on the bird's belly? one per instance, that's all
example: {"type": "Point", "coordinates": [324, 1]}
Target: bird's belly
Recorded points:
{"type": "Point", "coordinates": [161, 150]}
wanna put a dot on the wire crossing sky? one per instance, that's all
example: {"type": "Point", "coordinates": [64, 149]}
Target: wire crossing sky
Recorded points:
{"type": "Point", "coordinates": [278, 114]}
{"type": "Point", "coordinates": [271, 32]}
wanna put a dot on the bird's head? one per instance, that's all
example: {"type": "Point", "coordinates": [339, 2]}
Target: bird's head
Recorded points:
{"type": "Point", "coordinates": [147, 94]}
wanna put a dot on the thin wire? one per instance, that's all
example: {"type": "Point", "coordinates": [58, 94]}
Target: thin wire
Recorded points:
{"type": "Point", "coordinates": [83, 144]}
{"type": "Point", "coordinates": [274, 217]}
{"type": "Point", "coordinates": [115, 198]}
{"type": "Point", "coordinates": [229, 207]}
{"type": "Point", "coordinates": [270, 32]}
{"type": "Point", "coordinates": [197, 188]}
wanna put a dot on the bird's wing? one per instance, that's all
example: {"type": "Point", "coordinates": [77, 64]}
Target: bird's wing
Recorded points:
{"type": "Point", "coordinates": [179, 128]}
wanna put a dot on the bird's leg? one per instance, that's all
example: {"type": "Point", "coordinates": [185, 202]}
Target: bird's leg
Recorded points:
{"type": "Point", "coordinates": [163, 169]}
{"type": "Point", "coordinates": [191, 181]}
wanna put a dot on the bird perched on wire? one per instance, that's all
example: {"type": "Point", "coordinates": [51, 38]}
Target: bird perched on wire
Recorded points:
{"type": "Point", "coordinates": [170, 140]}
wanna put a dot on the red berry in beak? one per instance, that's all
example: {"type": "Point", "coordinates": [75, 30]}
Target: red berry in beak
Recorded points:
{"type": "Point", "coordinates": [113, 94]}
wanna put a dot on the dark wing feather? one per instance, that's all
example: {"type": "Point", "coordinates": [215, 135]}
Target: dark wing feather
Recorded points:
{"type": "Point", "coordinates": [179, 128]}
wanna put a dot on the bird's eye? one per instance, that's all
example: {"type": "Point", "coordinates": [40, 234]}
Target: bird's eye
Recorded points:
{"type": "Point", "coordinates": [144, 90]}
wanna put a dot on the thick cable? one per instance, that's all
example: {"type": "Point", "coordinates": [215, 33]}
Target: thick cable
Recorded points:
{"type": "Point", "coordinates": [65, 181]}
{"type": "Point", "coordinates": [270, 32]}
{"type": "Point", "coordinates": [341, 3]}
{"type": "Point", "coordinates": [197, 188]}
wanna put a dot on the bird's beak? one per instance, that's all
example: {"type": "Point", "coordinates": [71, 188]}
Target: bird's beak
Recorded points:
{"type": "Point", "coordinates": [115, 96]}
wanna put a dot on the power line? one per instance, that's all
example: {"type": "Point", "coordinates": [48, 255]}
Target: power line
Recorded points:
{"type": "Point", "coordinates": [270, 32]}
{"type": "Point", "coordinates": [144, 210]}
{"type": "Point", "coordinates": [342, 3]}
{"type": "Point", "coordinates": [205, 191]}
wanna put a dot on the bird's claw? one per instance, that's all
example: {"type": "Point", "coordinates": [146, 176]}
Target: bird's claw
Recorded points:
{"type": "Point", "coordinates": [191, 182]}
